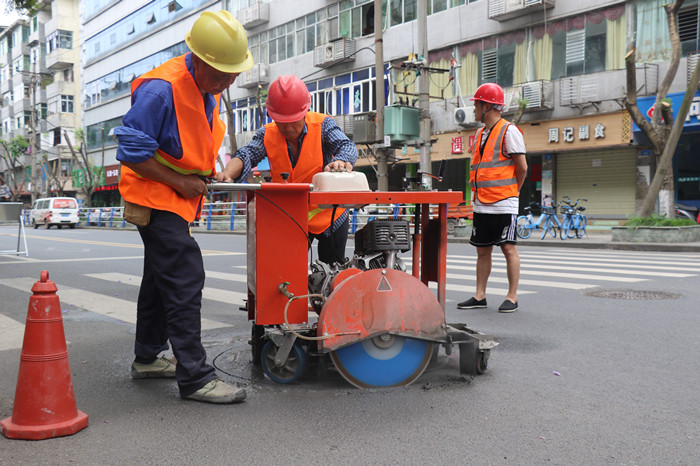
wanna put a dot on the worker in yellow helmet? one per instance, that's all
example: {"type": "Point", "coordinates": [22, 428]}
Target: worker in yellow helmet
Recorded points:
{"type": "Point", "coordinates": [169, 141]}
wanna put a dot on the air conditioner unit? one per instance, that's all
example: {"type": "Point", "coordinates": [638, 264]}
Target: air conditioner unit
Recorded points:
{"type": "Point", "coordinates": [244, 137]}
{"type": "Point", "coordinates": [464, 116]}
{"type": "Point", "coordinates": [258, 74]}
{"type": "Point", "coordinates": [254, 15]}
{"type": "Point", "coordinates": [332, 53]}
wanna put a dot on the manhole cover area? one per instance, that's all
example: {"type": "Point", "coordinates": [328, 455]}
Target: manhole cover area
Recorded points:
{"type": "Point", "coordinates": [632, 294]}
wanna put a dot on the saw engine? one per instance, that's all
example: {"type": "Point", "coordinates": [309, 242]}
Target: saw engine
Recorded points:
{"type": "Point", "coordinates": [377, 246]}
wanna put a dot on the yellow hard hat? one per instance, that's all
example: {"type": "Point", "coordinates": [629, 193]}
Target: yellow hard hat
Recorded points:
{"type": "Point", "coordinates": [220, 41]}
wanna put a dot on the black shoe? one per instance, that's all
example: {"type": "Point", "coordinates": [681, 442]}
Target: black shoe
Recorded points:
{"type": "Point", "coordinates": [508, 306]}
{"type": "Point", "coordinates": [472, 303]}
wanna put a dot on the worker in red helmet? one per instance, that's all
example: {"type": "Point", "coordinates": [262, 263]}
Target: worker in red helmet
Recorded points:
{"type": "Point", "coordinates": [497, 172]}
{"type": "Point", "coordinates": [299, 144]}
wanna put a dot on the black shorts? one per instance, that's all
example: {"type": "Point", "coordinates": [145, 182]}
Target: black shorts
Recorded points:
{"type": "Point", "coordinates": [493, 229]}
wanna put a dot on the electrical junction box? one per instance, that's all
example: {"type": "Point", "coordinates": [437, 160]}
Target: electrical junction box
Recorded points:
{"type": "Point", "coordinates": [401, 123]}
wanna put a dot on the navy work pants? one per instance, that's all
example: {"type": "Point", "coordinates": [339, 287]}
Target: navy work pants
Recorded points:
{"type": "Point", "coordinates": [331, 248]}
{"type": "Point", "coordinates": [170, 300]}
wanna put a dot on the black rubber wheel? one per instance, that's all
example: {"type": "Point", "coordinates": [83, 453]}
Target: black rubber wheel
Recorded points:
{"type": "Point", "coordinates": [292, 369]}
{"type": "Point", "coordinates": [257, 332]}
{"type": "Point", "coordinates": [35, 225]}
{"type": "Point", "coordinates": [482, 362]}
{"type": "Point", "coordinates": [522, 227]}
{"type": "Point", "coordinates": [72, 226]}
{"type": "Point", "coordinates": [581, 230]}
{"type": "Point", "coordinates": [59, 226]}
{"type": "Point", "coordinates": [451, 222]}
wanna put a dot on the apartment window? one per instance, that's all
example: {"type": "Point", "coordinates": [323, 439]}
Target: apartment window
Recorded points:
{"type": "Point", "coordinates": [65, 39]}
{"type": "Point", "coordinates": [41, 111]}
{"type": "Point", "coordinates": [66, 104]}
{"type": "Point", "coordinates": [68, 75]}
{"type": "Point", "coordinates": [150, 18]}
{"type": "Point", "coordinates": [18, 63]}
{"type": "Point", "coordinates": [6, 127]}
{"type": "Point", "coordinates": [8, 98]}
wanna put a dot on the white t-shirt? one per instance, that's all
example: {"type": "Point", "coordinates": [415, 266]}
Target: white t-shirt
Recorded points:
{"type": "Point", "coordinates": [514, 144]}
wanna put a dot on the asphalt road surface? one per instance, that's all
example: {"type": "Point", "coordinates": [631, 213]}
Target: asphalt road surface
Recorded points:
{"type": "Point", "coordinates": [599, 366]}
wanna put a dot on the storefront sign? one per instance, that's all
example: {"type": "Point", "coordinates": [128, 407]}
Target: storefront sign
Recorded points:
{"type": "Point", "coordinates": [571, 133]}
{"type": "Point", "coordinates": [111, 174]}
{"type": "Point", "coordinates": [692, 121]}
{"type": "Point", "coordinates": [457, 145]}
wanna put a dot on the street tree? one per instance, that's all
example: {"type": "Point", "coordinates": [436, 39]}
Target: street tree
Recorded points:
{"type": "Point", "coordinates": [89, 175]}
{"type": "Point", "coordinates": [662, 131]}
{"type": "Point", "coordinates": [53, 171]}
{"type": "Point", "coordinates": [11, 155]}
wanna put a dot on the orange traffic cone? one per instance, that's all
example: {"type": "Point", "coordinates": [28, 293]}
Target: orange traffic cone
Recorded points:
{"type": "Point", "coordinates": [44, 401]}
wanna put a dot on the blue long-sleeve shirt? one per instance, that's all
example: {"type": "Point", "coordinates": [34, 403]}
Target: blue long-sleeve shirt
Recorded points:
{"type": "Point", "coordinates": [151, 122]}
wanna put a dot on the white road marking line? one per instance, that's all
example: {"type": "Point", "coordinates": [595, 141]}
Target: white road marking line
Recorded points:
{"type": "Point", "coordinates": [116, 308]}
{"type": "Point", "coordinates": [606, 267]}
{"type": "Point", "coordinates": [214, 294]}
{"type": "Point", "coordinates": [11, 333]}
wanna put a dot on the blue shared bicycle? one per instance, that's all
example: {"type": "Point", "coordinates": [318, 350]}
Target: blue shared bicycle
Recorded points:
{"type": "Point", "coordinates": [547, 222]}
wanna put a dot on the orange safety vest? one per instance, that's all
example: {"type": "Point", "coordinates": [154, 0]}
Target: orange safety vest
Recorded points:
{"type": "Point", "coordinates": [492, 174]}
{"type": "Point", "coordinates": [309, 163]}
{"type": "Point", "coordinates": [200, 144]}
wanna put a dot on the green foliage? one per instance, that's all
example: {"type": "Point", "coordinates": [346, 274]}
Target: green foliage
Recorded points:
{"type": "Point", "coordinates": [658, 221]}
{"type": "Point", "coordinates": [27, 7]}
{"type": "Point", "coordinates": [18, 146]}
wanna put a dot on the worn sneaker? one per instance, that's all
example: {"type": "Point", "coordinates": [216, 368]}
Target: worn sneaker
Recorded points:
{"type": "Point", "coordinates": [218, 391]}
{"type": "Point", "coordinates": [508, 306]}
{"type": "Point", "coordinates": [472, 303]}
{"type": "Point", "coordinates": [161, 368]}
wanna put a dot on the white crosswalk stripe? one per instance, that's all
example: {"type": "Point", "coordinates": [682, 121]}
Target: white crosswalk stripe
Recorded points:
{"type": "Point", "coordinates": [540, 270]}
{"type": "Point", "coordinates": [12, 331]}
{"type": "Point", "coordinates": [214, 294]}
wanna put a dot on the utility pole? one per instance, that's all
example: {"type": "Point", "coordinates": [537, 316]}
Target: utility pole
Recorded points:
{"type": "Point", "coordinates": [382, 169]}
{"type": "Point", "coordinates": [424, 97]}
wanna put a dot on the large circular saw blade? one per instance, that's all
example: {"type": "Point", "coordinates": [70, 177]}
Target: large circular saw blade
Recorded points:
{"type": "Point", "coordinates": [383, 361]}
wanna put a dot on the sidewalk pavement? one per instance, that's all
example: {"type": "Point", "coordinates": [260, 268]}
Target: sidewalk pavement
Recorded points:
{"type": "Point", "coordinates": [601, 239]}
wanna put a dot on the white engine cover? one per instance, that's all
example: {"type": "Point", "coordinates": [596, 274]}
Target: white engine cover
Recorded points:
{"type": "Point", "coordinates": [340, 181]}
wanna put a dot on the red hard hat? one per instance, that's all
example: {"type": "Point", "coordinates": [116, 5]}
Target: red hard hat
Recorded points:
{"type": "Point", "coordinates": [489, 92]}
{"type": "Point", "coordinates": [288, 99]}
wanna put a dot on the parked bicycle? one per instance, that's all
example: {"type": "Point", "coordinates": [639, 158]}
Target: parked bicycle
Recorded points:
{"type": "Point", "coordinates": [574, 224]}
{"type": "Point", "coordinates": [527, 223]}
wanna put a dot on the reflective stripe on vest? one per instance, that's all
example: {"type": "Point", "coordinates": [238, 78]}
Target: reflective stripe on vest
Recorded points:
{"type": "Point", "coordinates": [200, 144]}
{"type": "Point", "coordinates": [309, 163]}
{"type": "Point", "coordinates": [491, 174]}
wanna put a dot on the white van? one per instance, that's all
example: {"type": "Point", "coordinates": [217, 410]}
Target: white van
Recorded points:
{"type": "Point", "coordinates": [57, 211]}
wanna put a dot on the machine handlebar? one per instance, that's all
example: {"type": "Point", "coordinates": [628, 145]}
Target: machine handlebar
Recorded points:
{"type": "Point", "coordinates": [213, 186]}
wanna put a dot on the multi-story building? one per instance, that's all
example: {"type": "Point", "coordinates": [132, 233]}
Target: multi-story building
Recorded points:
{"type": "Point", "coordinates": [38, 76]}
{"type": "Point", "coordinates": [120, 41]}
{"type": "Point", "coordinates": [562, 60]}
{"type": "Point", "coordinates": [61, 109]}
{"type": "Point", "coordinates": [15, 115]}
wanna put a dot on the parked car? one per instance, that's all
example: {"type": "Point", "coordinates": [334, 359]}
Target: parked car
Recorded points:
{"type": "Point", "coordinates": [57, 211]}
